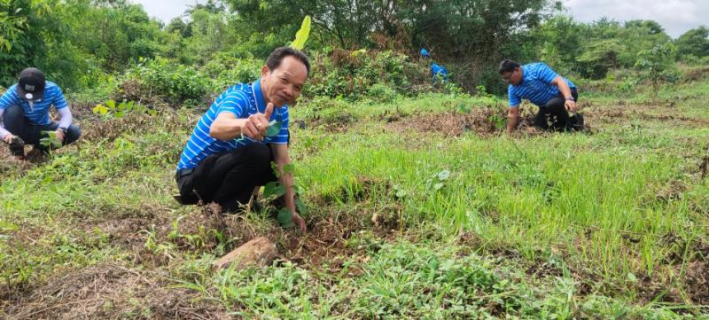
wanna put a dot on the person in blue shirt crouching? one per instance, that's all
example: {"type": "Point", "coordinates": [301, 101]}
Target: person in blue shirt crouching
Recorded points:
{"type": "Point", "coordinates": [229, 154]}
{"type": "Point", "coordinates": [555, 96]}
{"type": "Point", "coordinates": [438, 72]}
{"type": "Point", "coordinates": [24, 111]}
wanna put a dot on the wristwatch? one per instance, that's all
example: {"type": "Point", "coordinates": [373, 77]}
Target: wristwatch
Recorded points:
{"type": "Point", "coordinates": [571, 98]}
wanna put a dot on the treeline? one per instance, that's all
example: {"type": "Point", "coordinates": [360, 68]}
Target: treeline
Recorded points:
{"type": "Point", "coordinates": [83, 44]}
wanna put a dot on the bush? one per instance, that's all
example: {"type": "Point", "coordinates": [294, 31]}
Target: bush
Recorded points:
{"type": "Point", "coordinates": [163, 80]}
{"type": "Point", "coordinates": [227, 70]}
{"type": "Point", "coordinates": [352, 75]}
{"type": "Point", "coordinates": [381, 93]}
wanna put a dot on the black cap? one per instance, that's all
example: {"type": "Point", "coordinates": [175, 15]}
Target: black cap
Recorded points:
{"type": "Point", "coordinates": [31, 85]}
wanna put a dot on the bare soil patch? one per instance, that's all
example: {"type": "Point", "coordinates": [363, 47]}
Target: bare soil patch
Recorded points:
{"type": "Point", "coordinates": [110, 291]}
{"type": "Point", "coordinates": [484, 122]}
{"type": "Point", "coordinates": [623, 114]}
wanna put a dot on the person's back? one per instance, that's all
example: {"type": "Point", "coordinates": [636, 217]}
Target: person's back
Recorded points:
{"type": "Point", "coordinates": [554, 95]}
{"type": "Point", "coordinates": [439, 72]}
{"type": "Point", "coordinates": [536, 85]}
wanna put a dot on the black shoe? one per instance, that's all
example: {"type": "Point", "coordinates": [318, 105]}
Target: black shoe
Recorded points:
{"type": "Point", "coordinates": [576, 123]}
{"type": "Point", "coordinates": [256, 205]}
{"type": "Point", "coordinates": [38, 155]}
{"type": "Point", "coordinates": [17, 148]}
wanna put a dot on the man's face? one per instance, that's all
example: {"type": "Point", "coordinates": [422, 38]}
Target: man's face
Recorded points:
{"type": "Point", "coordinates": [283, 84]}
{"type": "Point", "coordinates": [514, 77]}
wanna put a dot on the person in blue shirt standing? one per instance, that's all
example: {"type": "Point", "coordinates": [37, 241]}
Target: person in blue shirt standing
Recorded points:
{"type": "Point", "coordinates": [555, 96]}
{"type": "Point", "coordinates": [438, 72]}
{"type": "Point", "coordinates": [229, 154]}
{"type": "Point", "coordinates": [24, 111]}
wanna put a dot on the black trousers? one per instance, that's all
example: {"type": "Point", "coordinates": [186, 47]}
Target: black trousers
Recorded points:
{"type": "Point", "coordinates": [554, 115]}
{"type": "Point", "coordinates": [227, 178]}
{"type": "Point", "coordinates": [15, 121]}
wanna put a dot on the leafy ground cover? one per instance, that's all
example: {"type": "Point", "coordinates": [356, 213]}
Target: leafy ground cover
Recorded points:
{"type": "Point", "coordinates": [418, 208]}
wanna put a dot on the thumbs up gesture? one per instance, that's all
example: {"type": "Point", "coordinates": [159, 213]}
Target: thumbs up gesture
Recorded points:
{"type": "Point", "coordinates": [256, 124]}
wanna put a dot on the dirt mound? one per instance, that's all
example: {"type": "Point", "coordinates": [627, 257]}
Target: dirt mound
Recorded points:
{"type": "Point", "coordinates": [112, 291]}
{"type": "Point", "coordinates": [484, 122]}
{"type": "Point", "coordinates": [154, 238]}
{"type": "Point", "coordinates": [327, 244]}
{"type": "Point", "coordinates": [128, 233]}
{"type": "Point", "coordinates": [168, 120]}
{"type": "Point", "coordinates": [10, 164]}
{"type": "Point", "coordinates": [697, 283]}
{"type": "Point", "coordinates": [339, 122]}
{"type": "Point", "coordinates": [627, 113]}
{"type": "Point", "coordinates": [696, 74]}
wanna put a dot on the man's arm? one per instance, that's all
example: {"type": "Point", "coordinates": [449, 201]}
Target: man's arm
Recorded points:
{"type": "Point", "coordinates": [64, 122]}
{"type": "Point", "coordinates": [4, 134]}
{"type": "Point", "coordinates": [227, 126]}
{"type": "Point", "coordinates": [7, 99]}
{"type": "Point", "coordinates": [62, 107]}
{"type": "Point", "coordinates": [281, 157]}
{"type": "Point", "coordinates": [565, 90]}
{"type": "Point", "coordinates": [512, 118]}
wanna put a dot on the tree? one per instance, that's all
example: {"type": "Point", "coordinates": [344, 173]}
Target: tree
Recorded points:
{"type": "Point", "coordinates": [657, 66]}
{"type": "Point", "coordinates": [694, 42]}
{"type": "Point", "coordinates": [177, 25]}
{"type": "Point", "coordinates": [610, 45]}
{"type": "Point", "coordinates": [23, 26]}
{"type": "Point", "coordinates": [558, 42]}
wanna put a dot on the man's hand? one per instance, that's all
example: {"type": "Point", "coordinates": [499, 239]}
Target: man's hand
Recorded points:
{"type": "Point", "coordinates": [298, 221]}
{"type": "Point", "coordinates": [571, 105]}
{"type": "Point", "coordinates": [512, 118]}
{"type": "Point", "coordinates": [256, 125]}
{"type": "Point", "coordinates": [60, 135]}
{"type": "Point", "coordinates": [8, 138]}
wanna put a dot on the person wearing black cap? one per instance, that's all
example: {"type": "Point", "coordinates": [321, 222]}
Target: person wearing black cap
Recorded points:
{"type": "Point", "coordinates": [24, 112]}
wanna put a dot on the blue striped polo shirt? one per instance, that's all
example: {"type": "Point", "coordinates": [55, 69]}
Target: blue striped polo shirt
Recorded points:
{"type": "Point", "coordinates": [241, 100]}
{"type": "Point", "coordinates": [37, 112]}
{"type": "Point", "coordinates": [536, 85]}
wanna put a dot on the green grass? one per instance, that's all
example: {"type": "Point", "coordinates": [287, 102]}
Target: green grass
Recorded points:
{"type": "Point", "coordinates": [608, 224]}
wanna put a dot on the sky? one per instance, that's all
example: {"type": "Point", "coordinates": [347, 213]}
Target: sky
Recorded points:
{"type": "Point", "coordinates": [676, 16]}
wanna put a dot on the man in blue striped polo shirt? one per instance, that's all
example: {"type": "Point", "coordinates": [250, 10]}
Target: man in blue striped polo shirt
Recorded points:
{"type": "Point", "coordinates": [229, 154]}
{"type": "Point", "coordinates": [24, 111]}
{"type": "Point", "coordinates": [555, 96]}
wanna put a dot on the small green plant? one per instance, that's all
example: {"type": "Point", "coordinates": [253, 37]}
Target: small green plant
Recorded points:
{"type": "Point", "coordinates": [302, 36]}
{"type": "Point", "coordinates": [497, 117]}
{"type": "Point", "coordinates": [50, 141]}
{"type": "Point", "coordinates": [111, 110]}
{"type": "Point", "coordinates": [275, 189]}
{"type": "Point", "coordinates": [437, 182]}
{"type": "Point", "coordinates": [463, 108]}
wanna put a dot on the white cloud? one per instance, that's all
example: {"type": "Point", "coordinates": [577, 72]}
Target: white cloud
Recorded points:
{"type": "Point", "coordinates": [165, 10]}
{"type": "Point", "coordinates": [675, 16]}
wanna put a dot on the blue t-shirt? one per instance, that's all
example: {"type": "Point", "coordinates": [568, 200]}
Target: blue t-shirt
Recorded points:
{"type": "Point", "coordinates": [241, 100]}
{"type": "Point", "coordinates": [536, 85]}
{"type": "Point", "coordinates": [37, 112]}
{"type": "Point", "coordinates": [437, 70]}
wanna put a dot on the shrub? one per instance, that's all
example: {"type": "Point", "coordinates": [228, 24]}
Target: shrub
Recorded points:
{"type": "Point", "coordinates": [352, 75]}
{"type": "Point", "coordinates": [381, 93]}
{"type": "Point", "coordinates": [163, 80]}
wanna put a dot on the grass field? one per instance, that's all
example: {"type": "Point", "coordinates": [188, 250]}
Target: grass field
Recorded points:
{"type": "Point", "coordinates": [418, 208]}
